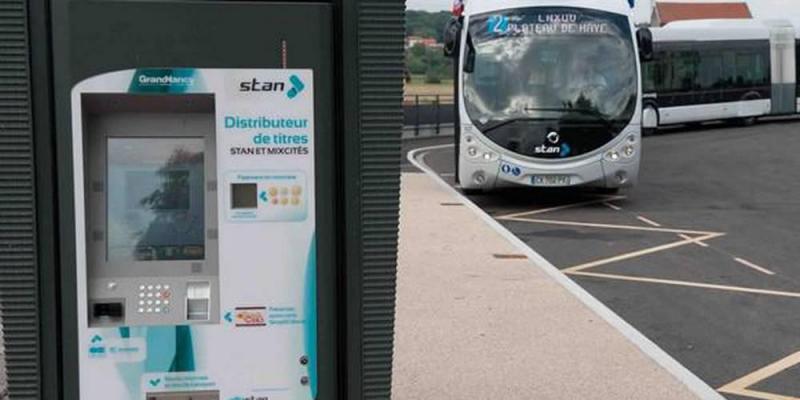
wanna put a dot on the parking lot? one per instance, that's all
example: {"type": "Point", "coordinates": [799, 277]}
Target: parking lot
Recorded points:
{"type": "Point", "coordinates": [701, 257]}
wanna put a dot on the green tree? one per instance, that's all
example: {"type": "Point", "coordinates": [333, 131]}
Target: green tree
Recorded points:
{"type": "Point", "coordinates": [426, 24]}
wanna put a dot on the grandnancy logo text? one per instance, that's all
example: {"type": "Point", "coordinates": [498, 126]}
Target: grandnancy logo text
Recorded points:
{"type": "Point", "coordinates": [166, 80]}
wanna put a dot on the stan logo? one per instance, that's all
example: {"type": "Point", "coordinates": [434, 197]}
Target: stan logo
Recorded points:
{"type": "Point", "coordinates": [255, 85]}
{"type": "Point", "coordinates": [498, 24]}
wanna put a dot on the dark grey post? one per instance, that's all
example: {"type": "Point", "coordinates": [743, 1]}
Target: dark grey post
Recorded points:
{"type": "Point", "coordinates": [416, 115]}
{"type": "Point", "coordinates": [44, 52]}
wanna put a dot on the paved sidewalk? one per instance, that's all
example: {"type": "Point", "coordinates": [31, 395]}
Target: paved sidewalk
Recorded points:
{"type": "Point", "coordinates": [472, 326]}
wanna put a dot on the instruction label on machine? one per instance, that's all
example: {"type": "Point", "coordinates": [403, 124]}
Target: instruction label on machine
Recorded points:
{"type": "Point", "coordinates": [205, 288]}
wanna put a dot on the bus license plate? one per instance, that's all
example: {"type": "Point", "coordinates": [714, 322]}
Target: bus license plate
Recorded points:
{"type": "Point", "coordinates": [550, 180]}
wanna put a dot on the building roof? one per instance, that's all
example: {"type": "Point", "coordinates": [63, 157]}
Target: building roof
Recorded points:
{"type": "Point", "coordinates": [673, 11]}
{"type": "Point", "coordinates": [712, 30]}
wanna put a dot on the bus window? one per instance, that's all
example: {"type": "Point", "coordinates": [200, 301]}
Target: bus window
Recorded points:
{"type": "Point", "coordinates": [648, 76]}
{"type": "Point", "coordinates": [750, 69]}
{"type": "Point", "coordinates": [709, 77]}
{"type": "Point", "coordinates": [729, 72]}
{"type": "Point", "coordinates": [685, 76]}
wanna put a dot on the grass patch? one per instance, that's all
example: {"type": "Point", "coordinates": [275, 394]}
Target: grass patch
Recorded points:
{"type": "Point", "coordinates": [417, 86]}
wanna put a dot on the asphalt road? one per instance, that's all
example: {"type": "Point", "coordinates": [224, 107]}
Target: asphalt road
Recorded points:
{"type": "Point", "coordinates": [702, 257]}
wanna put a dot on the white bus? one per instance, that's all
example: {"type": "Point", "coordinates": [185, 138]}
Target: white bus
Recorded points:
{"type": "Point", "coordinates": [735, 70]}
{"type": "Point", "coordinates": [548, 93]}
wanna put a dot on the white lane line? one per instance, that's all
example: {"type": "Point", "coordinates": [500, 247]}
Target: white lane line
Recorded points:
{"type": "Point", "coordinates": [610, 226]}
{"type": "Point", "coordinates": [638, 253]}
{"type": "Point", "coordinates": [696, 241]}
{"type": "Point", "coordinates": [613, 207]}
{"type": "Point", "coordinates": [672, 282]}
{"type": "Point", "coordinates": [648, 221]}
{"type": "Point", "coordinates": [646, 345]}
{"type": "Point", "coordinates": [753, 266]}
{"type": "Point", "coordinates": [559, 208]}
{"type": "Point", "coordinates": [740, 386]}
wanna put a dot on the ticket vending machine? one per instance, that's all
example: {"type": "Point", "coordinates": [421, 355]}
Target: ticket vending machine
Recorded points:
{"type": "Point", "coordinates": [214, 198]}
{"type": "Point", "coordinates": [196, 234]}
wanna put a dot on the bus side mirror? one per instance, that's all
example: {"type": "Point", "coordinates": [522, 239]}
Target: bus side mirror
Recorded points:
{"type": "Point", "coordinates": [644, 39]}
{"type": "Point", "coordinates": [452, 35]}
{"type": "Point", "coordinates": [469, 61]}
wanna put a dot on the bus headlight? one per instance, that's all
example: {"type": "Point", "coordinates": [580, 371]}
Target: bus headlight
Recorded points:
{"type": "Point", "coordinates": [469, 139]}
{"type": "Point", "coordinates": [629, 151]}
{"type": "Point", "coordinates": [613, 155]}
{"type": "Point", "coordinates": [472, 151]}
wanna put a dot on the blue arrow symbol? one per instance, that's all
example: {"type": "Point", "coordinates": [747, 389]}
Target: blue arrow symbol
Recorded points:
{"type": "Point", "coordinates": [263, 197]}
{"type": "Point", "coordinates": [565, 150]}
{"type": "Point", "coordinates": [297, 86]}
{"type": "Point", "coordinates": [96, 339]}
{"type": "Point", "coordinates": [228, 317]}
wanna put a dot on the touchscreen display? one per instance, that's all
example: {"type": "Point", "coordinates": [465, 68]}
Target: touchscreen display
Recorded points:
{"type": "Point", "coordinates": [156, 199]}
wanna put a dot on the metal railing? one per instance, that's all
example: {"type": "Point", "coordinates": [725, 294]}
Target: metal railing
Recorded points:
{"type": "Point", "coordinates": [428, 113]}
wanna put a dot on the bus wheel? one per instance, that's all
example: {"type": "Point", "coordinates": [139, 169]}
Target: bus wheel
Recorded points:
{"type": "Point", "coordinates": [608, 191]}
{"type": "Point", "coordinates": [749, 121]}
{"type": "Point", "coordinates": [471, 192]}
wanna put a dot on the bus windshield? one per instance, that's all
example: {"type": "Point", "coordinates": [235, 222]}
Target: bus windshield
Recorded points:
{"type": "Point", "coordinates": [542, 69]}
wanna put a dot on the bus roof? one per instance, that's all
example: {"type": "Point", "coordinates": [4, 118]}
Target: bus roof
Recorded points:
{"type": "Point", "coordinates": [712, 30]}
{"type": "Point", "coordinates": [484, 6]}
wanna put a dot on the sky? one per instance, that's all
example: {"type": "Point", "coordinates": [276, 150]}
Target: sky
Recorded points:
{"type": "Point", "coordinates": [760, 8]}
{"type": "Point", "coordinates": [429, 5]}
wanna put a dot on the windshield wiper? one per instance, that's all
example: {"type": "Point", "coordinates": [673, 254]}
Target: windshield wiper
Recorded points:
{"type": "Point", "coordinates": [490, 127]}
{"type": "Point", "coordinates": [594, 113]}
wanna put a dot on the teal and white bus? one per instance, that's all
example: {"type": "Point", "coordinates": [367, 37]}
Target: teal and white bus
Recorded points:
{"type": "Point", "coordinates": [548, 93]}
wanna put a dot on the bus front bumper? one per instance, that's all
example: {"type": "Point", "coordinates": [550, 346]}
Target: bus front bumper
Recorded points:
{"type": "Point", "coordinates": [506, 172]}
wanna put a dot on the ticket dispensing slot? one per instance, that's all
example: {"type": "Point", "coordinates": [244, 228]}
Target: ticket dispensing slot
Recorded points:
{"type": "Point", "coordinates": [151, 207]}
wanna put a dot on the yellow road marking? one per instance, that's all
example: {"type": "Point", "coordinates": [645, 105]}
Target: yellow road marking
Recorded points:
{"type": "Point", "coordinates": [639, 253]}
{"type": "Point", "coordinates": [753, 266]}
{"type": "Point", "coordinates": [697, 242]}
{"type": "Point", "coordinates": [648, 221]}
{"type": "Point", "coordinates": [610, 226]}
{"type": "Point", "coordinates": [740, 386]}
{"type": "Point", "coordinates": [671, 282]}
{"type": "Point", "coordinates": [613, 207]}
{"type": "Point", "coordinates": [562, 207]}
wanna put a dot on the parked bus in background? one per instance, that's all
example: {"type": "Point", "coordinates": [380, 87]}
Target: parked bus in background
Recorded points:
{"type": "Point", "coordinates": [548, 93]}
{"type": "Point", "coordinates": [735, 70]}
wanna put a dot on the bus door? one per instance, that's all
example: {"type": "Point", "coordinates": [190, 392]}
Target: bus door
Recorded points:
{"type": "Point", "coordinates": [783, 69]}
